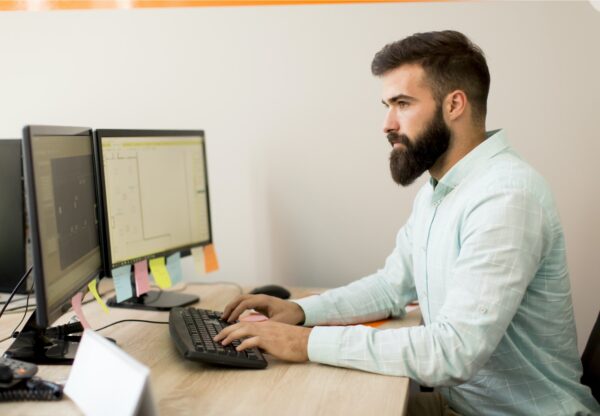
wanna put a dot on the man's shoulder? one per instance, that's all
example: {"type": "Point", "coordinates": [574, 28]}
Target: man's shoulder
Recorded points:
{"type": "Point", "coordinates": [508, 172]}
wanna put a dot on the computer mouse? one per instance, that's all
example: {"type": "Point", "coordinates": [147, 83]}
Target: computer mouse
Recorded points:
{"type": "Point", "coordinates": [272, 290]}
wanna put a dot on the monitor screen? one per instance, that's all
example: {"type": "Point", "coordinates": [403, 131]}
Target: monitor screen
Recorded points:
{"type": "Point", "coordinates": [63, 213]}
{"type": "Point", "coordinates": [155, 193]}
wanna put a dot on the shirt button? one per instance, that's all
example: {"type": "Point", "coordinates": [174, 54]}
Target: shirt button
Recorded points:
{"type": "Point", "coordinates": [482, 309]}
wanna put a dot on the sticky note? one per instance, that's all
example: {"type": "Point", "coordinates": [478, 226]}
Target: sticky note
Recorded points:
{"type": "Point", "coordinates": [210, 259]}
{"type": "Point", "coordinates": [92, 286]}
{"type": "Point", "coordinates": [160, 272]}
{"type": "Point", "coordinates": [142, 284]}
{"type": "Point", "coordinates": [174, 268]}
{"type": "Point", "coordinates": [76, 304]}
{"type": "Point", "coordinates": [198, 256]}
{"type": "Point", "coordinates": [122, 281]}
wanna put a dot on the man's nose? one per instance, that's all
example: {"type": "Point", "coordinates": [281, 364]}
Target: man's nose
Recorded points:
{"type": "Point", "coordinates": [390, 122]}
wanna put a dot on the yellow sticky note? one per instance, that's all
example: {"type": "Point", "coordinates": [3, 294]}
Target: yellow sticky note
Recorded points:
{"type": "Point", "coordinates": [160, 272]}
{"type": "Point", "coordinates": [210, 259]}
{"type": "Point", "coordinates": [93, 288]}
{"type": "Point", "coordinates": [198, 255]}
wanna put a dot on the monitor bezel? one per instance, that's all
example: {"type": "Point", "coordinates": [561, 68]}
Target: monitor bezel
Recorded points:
{"type": "Point", "coordinates": [99, 134]}
{"type": "Point", "coordinates": [45, 313]}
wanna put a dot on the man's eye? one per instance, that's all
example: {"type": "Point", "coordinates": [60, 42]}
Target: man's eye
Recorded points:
{"type": "Point", "coordinates": [402, 104]}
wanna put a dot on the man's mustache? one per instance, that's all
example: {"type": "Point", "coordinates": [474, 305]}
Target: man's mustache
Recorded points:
{"type": "Point", "coordinates": [398, 138]}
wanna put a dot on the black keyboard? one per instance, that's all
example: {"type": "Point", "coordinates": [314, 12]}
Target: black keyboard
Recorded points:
{"type": "Point", "coordinates": [193, 330]}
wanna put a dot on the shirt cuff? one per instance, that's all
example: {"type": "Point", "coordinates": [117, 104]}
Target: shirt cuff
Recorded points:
{"type": "Point", "coordinates": [313, 308]}
{"type": "Point", "coordinates": [324, 344]}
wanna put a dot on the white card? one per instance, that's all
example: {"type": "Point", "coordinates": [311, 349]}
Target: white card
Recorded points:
{"type": "Point", "coordinates": [105, 380]}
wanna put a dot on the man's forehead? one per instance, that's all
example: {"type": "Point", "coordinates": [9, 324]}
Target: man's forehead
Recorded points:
{"type": "Point", "coordinates": [408, 79]}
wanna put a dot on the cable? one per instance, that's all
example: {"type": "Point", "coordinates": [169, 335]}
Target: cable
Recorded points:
{"type": "Point", "coordinates": [2, 302]}
{"type": "Point", "coordinates": [22, 318]}
{"type": "Point", "coordinates": [132, 320]}
{"type": "Point", "coordinates": [17, 309]}
{"type": "Point", "coordinates": [15, 289]}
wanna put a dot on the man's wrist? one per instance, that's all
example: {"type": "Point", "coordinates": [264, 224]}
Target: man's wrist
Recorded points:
{"type": "Point", "coordinates": [305, 340]}
{"type": "Point", "coordinates": [311, 307]}
{"type": "Point", "coordinates": [299, 315]}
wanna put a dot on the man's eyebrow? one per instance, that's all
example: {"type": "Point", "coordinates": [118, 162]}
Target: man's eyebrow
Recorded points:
{"type": "Point", "coordinates": [397, 98]}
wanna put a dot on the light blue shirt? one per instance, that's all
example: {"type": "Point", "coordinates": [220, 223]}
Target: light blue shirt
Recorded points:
{"type": "Point", "coordinates": [484, 253]}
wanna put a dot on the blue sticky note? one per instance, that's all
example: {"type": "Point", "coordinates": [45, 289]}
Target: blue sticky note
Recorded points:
{"type": "Point", "coordinates": [122, 281]}
{"type": "Point", "coordinates": [174, 267]}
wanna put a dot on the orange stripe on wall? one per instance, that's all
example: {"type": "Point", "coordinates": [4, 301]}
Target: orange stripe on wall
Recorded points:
{"type": "Point", "coordinates": [57, 4]}
{"type": "Point", "coordinates": [217, 3]}
{"type": "Point", "coordinates": [78, 4]}
{"type": "Point", "coordinates": [13, 5]}
{"type": "Point", "coordinates": [113, 4]}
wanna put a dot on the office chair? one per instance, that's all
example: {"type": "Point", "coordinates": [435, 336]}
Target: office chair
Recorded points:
{"type": "Point", "coordinates": [591, 361]}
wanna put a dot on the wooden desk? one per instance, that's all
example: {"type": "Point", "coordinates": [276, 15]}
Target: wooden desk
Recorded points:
{"type": "Point", "coordinates": [183, 387]}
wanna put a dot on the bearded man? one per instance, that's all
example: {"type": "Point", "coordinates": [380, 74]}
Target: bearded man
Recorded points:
{"type": "Point", "coordinates": [483, 252]}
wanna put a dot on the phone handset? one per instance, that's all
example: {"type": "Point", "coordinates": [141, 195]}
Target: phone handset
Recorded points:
{"type": "Point", "coordinates": [17, 382]}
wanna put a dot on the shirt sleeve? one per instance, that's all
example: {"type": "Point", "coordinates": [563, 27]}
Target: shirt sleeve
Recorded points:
{"type": "Point", "coordinates": [503, 238]}
{"type": "Point", "coordinates": [378, 296]}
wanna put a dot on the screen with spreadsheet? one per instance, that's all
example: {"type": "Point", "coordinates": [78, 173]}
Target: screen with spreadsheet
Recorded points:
{"type": "Point", "coordinates": [155, 192]}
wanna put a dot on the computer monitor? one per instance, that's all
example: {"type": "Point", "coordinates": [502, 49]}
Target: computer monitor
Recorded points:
{"type": "Point", "coordinates": [155, 199]}
{"type": "Point", "coordinates": [62, 201]}
{"type": "Point", "coordinates": [14, 253]}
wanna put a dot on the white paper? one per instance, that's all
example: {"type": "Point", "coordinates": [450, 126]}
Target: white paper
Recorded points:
{"type": "Point", "coordinates": [105, 380]}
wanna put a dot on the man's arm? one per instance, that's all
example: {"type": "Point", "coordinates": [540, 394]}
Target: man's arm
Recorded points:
{"type": "Point", "coordinates": [503, 241]}
{"type": "Point", "coordinates": [374, 297]}
{"type": "Point", "coordinates": [378, 296]}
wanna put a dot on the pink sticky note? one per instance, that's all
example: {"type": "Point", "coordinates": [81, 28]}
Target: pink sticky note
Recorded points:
{"type": "Point", "coordinates": [253, 317]}
{"type": "Point", "coordinates": [76, 304]}
{"type": "Point", "coordinates": [142, 284]}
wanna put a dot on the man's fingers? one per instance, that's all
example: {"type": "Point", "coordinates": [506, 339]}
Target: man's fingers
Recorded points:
{"type": "Point", "coordinates": [238, 333]}
{"type": "Point", "coordinates": [250, 302]}
{"type": "Point", "coordinates": [237, 311]}
{"type": "Point", "coordinates": [224, 332]}
{"type": "Point", "coordinates": [248, 343]}
{"type": "Point", "coordinates": [232, 305]}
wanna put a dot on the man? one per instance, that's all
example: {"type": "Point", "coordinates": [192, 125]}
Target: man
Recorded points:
{"type": "Point", "coordinates": [483, 251]}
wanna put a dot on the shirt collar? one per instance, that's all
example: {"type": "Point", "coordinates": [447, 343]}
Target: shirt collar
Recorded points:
{"type": "Point", "coordinates": [494, 143]}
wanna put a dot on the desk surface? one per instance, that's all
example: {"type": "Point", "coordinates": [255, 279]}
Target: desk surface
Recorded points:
{"type": "Point", "coordinates": [182, 387]}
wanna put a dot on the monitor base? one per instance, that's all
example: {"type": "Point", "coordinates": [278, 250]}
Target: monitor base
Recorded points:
{"type": "Point", "coordinates": [155, 300]}
{"type": "Point", "coordinates": [35, 345]}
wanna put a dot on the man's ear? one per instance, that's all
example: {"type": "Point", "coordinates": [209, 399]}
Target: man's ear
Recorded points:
{"type": "Point", "coordinates": [455, 104]}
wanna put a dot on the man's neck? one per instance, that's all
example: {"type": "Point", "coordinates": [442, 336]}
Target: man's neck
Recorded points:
{"type": "Point", "coordinates": [460, 145]}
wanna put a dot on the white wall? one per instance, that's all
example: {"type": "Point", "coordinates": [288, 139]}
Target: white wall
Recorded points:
{"type": "Point", "coordinates": [298, 166]}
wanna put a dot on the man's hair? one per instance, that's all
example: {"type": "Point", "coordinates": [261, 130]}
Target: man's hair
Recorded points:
{"type": "Point", "coordinates": [450, 61]}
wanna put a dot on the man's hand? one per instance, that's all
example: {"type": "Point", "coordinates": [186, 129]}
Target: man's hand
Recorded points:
{"type": "Point", "coordinates": [276, 309]}
{"type": "Point", "coordinates": [283, 341]}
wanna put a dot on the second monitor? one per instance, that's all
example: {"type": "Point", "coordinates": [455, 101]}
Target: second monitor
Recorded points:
{"type": "Point", "coordinates": [155, 201]}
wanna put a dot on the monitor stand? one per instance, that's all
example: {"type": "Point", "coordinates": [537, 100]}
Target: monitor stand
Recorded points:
{"type": "Point", "coordinates": [35, 345]}
{"type": "Point", "coordinates": [155, 300]}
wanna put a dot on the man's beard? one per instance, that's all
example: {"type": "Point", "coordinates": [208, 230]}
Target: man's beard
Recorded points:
{"type": "Point", "coordinates": [407, 164]}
